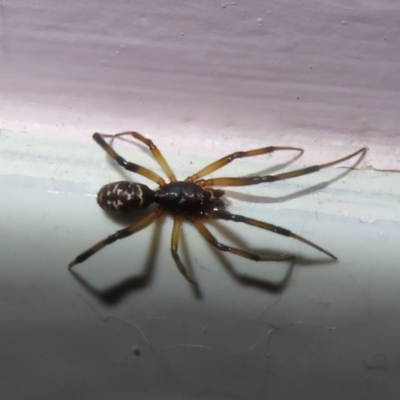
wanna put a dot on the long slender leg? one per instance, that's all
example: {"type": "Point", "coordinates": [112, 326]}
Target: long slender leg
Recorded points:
{"type": "Point", "coordinates": [272, 178]}
{"type": "Point", "coordinates": [174, 249]}
{"type": "Point", "coordinates": [123, 233]}
{"type": "Point", "coordinates": [213, 241]}
{"type": "Point", "coordinates": [222, 214]}
{"type": "Point", "coordinates": [98, 137]}
{"type": "Point", "coordinates": [239, 154]}
{"type": "Point", "coordinates": [153, 148]}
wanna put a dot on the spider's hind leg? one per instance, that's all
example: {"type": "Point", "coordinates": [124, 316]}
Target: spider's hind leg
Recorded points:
{"type": "Point", "coordinates": [123, 233]}
{"type": "Point", "coordinates": [174, 250]}
{"type": "Point", "coordinates": [162, 162]}
{"type": "Point", "coordinates": [129, 166]}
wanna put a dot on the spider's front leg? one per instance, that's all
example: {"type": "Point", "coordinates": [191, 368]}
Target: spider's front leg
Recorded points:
{"type": "Point", "coordinates": [220, 246]}
{"type": "Point", "coordinates": [222, 214]}
{"type": "Point", "coordinates": [255, 180]}
{"type": "Point", "coordinates": [216, 165]}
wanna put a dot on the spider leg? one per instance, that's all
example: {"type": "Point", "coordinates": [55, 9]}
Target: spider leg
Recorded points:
{"type": "Point", "coordinates": [154, 150]}
{"type": "Point", "coordinates": [220, 246]}
{"type": "Point", "coordinates": [174, 249]}
{"type": "Point", "coordinates": [123, 233]}
{"type": "Point", "coordinates": [222, 214]}
{"type": "Point", "coordinates": [99, 139]}
{"type": "Point", "coordinates": [239, 154]}
{"type": "Point", "coordinates": [255, 180]}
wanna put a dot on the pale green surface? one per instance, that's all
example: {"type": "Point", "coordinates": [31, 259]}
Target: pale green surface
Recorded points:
{"type": "Point", "coordinates": [332, 334]}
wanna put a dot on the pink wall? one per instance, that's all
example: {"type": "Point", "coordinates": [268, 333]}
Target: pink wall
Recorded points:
{"type": "Point", "coordinates": [229, 74]}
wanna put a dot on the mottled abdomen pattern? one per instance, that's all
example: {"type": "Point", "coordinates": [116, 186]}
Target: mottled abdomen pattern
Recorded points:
{"type": "Point", "coordinates": [124, 197]}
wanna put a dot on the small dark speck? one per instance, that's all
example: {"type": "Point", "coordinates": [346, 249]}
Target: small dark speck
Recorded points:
{"type": "Point", "coordinates": [136, 351]}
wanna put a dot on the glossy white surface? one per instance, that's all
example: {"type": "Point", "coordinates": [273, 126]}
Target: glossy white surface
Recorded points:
{"type": "Point", "coordinates": [332, 332]}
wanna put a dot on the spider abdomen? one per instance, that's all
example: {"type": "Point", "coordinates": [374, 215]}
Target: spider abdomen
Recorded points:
{"type": "Point", "coordinates": [124, 197]}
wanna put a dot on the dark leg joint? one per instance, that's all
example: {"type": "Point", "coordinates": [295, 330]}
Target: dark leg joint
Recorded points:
{"type": "Point", "coordinates": [282, 231]}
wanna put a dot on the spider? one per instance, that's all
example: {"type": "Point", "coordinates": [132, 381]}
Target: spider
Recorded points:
{"type": "Point", "coordinates": [195, 199]}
